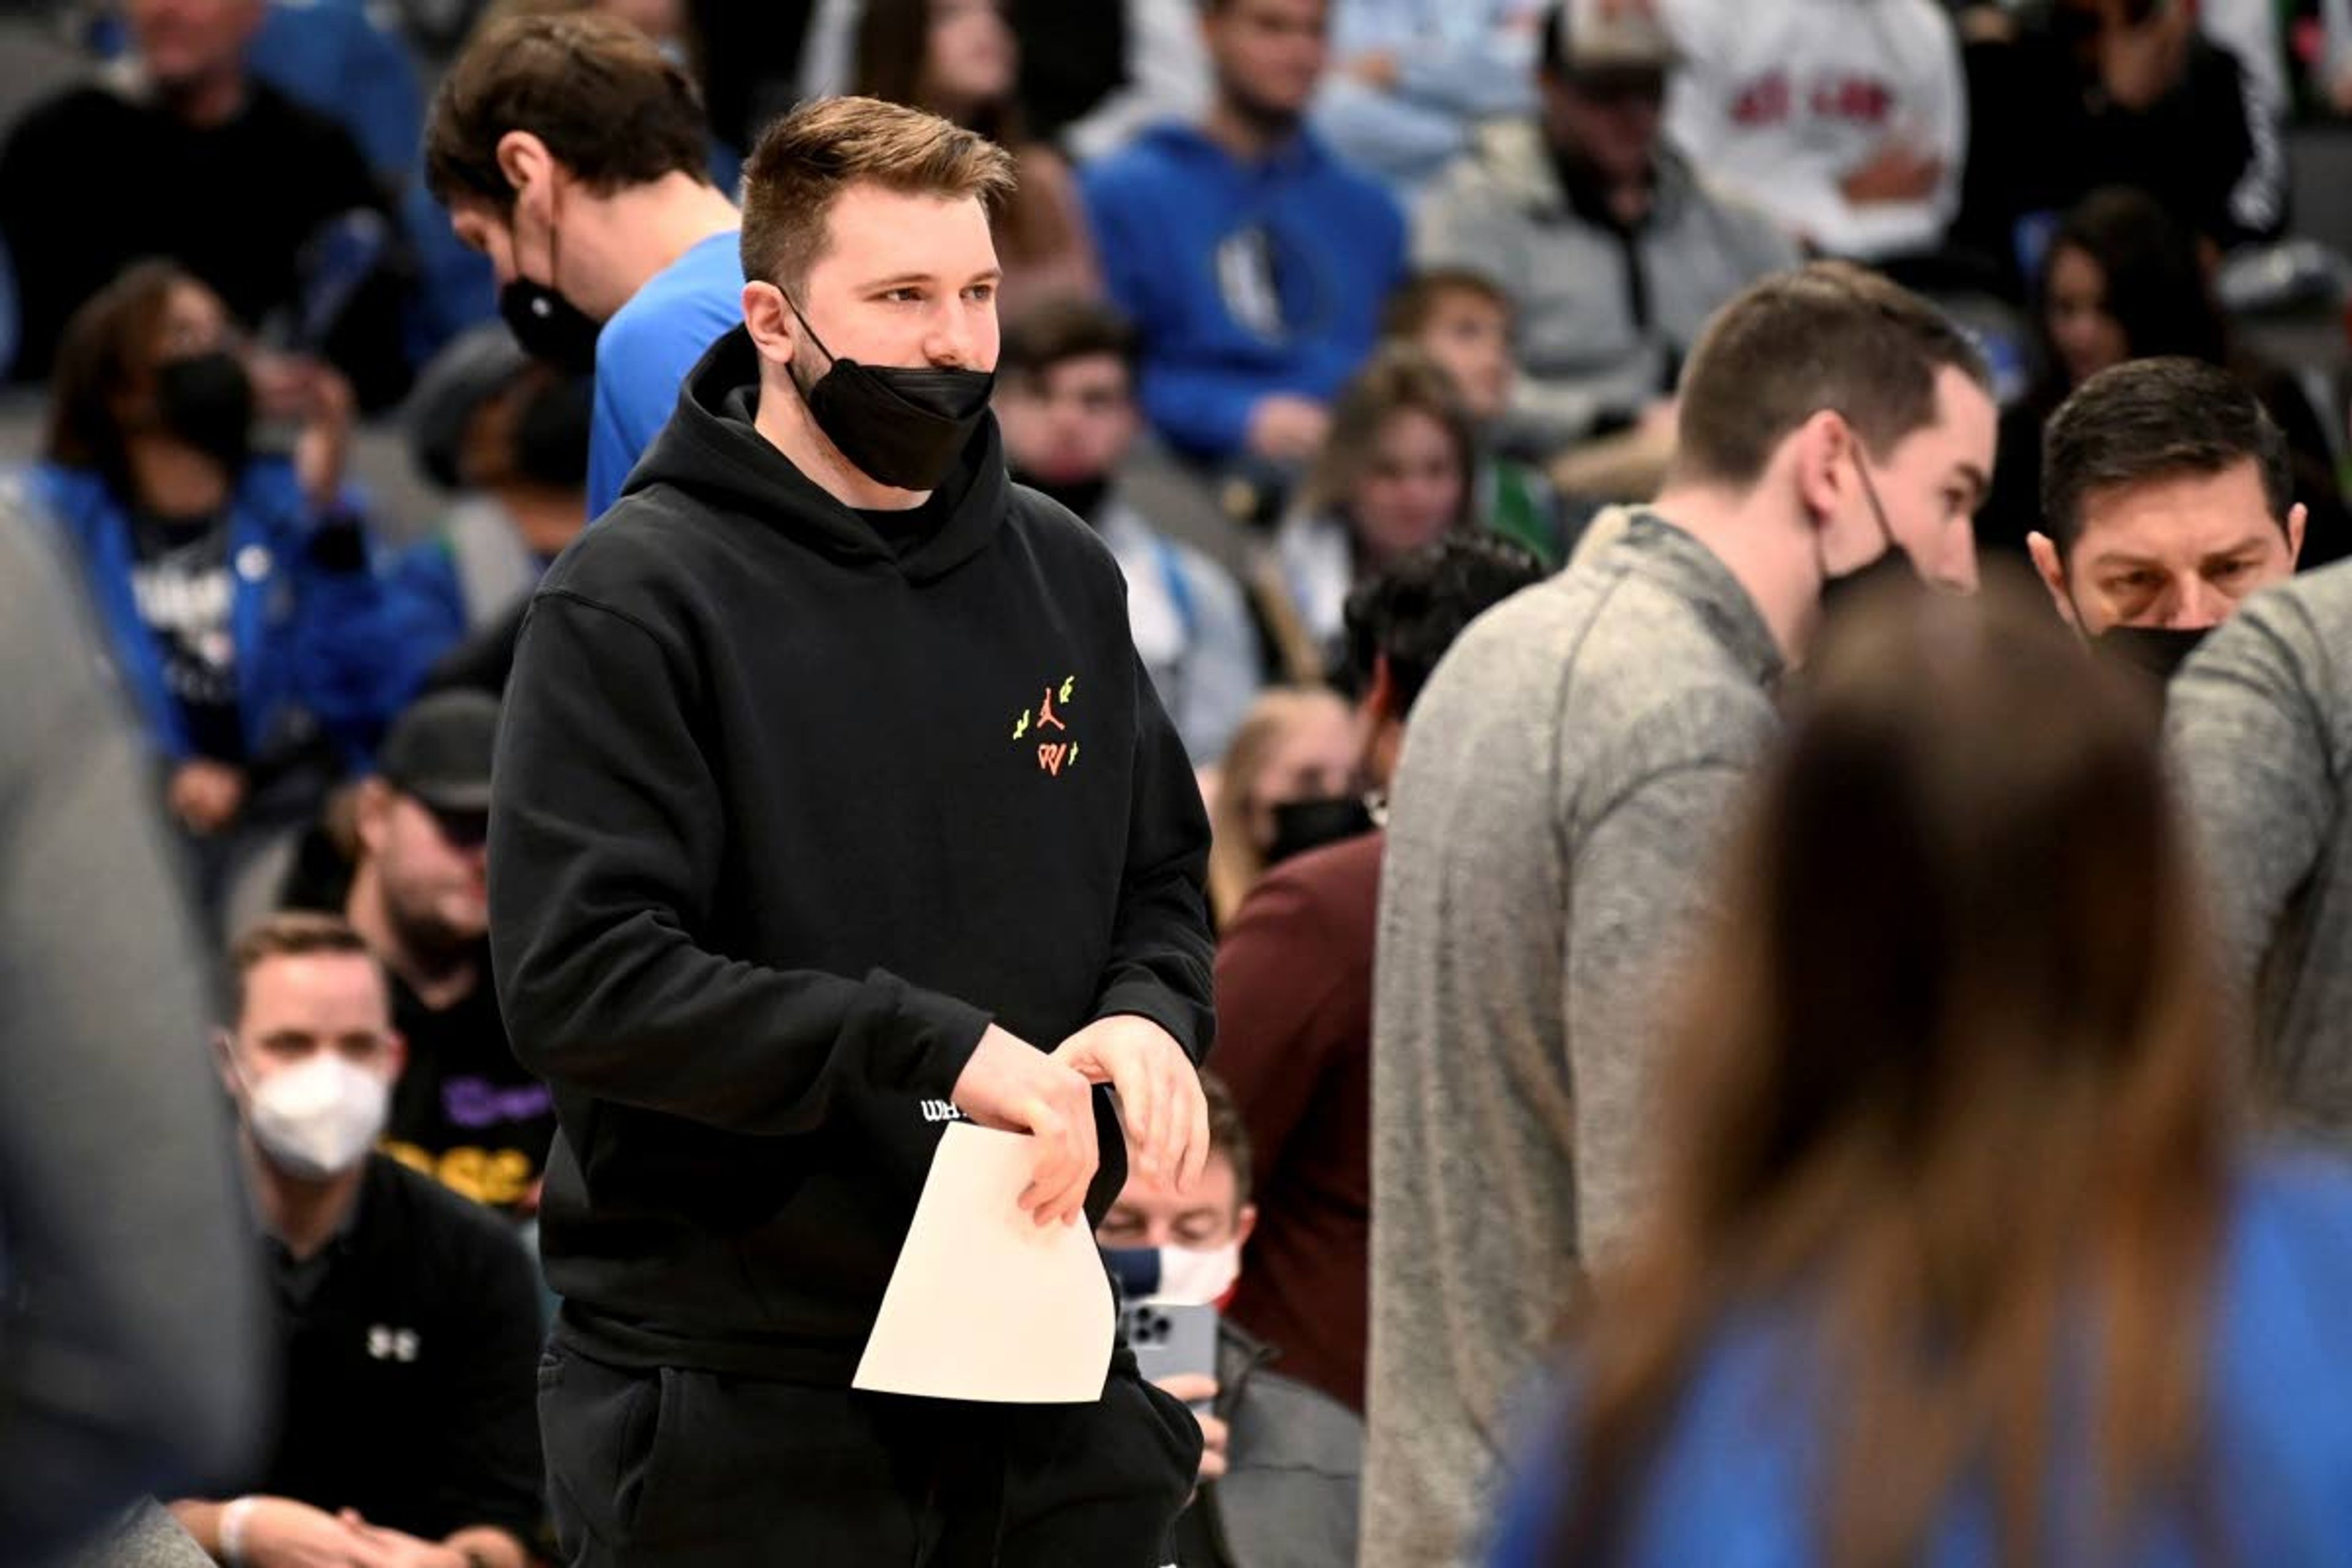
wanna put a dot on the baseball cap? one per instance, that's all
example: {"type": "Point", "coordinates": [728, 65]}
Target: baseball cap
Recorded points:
{"type": "Point", "coordinates": [475, 366]}
{"type": "Point", "coordinates": [1584, 38]}
{"type": "Point", "coordinates": [439, 752]}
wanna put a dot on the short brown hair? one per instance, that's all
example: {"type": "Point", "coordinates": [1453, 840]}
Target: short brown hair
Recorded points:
{"type": "Point", "coordinates": [612, 110]}
{"type": "Point", "coordinates": [2156, 420]}
{"type": "Point", "coordinates": [293, 933]}
{"type": "Point", "coordinates": [1417, 298]}
{"type": "Point", "coordinates": [1828, 336]}
{"type": "Point", "coordinates": [108, 349]}
{"type": "Point", "coordinates": [805, 160]}
{"type": "Point", "coordinates": [1056, 330]}
{"type": "Point", "coordinates": [1229, 1137]}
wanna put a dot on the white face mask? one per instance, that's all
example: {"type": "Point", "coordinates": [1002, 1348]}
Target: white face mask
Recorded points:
{"type": "Point", "coordinates": [318, 1120]}
{"type": "Point", "coordinates": [1199, 1275]}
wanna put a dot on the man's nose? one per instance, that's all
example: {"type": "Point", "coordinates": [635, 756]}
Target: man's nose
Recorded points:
{"type": "Point", "coordinates": [2197, 605]}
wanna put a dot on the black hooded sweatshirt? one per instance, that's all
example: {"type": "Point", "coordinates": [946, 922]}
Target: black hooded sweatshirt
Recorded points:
{"type": "Point", "coordinates": [789, 804]}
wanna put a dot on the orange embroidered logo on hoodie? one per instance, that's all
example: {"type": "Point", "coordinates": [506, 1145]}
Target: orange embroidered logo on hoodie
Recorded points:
{"type": "Point", "coordinates": [1053, 755]}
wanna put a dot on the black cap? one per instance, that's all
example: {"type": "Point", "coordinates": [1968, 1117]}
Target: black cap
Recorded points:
{"type": "Point", "coordinates": [439, 750]}
{"type": "Point", "coordinates": [471, 369]}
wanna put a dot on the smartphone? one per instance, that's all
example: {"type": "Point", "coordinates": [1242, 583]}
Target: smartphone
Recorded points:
{"type": "Point", "coordinates": [1172, 1337]}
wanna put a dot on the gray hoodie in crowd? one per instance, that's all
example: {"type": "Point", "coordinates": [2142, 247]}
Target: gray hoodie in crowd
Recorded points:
{"type": "Point", "coordinates": [1553, 835]}
{"type": "Point", "coordinates": [2259, 722]}
{"type": "Point", "coordinates": [131, 1337]}
{"type": "Point", "coordinates": [1605, 314]}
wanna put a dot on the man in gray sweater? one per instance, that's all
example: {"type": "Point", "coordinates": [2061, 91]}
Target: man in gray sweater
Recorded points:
{"type": "Point", "coordinates": [1552, 833]}
{"type": "Point", "coordinates": [2259, 722]}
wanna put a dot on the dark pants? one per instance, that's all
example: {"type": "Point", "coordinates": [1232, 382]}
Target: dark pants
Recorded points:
{"type": "Point", "coordinates": [649, 1468]}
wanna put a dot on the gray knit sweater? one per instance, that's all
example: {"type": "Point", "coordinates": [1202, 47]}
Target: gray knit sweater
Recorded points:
{"type": "Point", "coordinates": [1566, 781]}
{"type": "Point", "coordinates": [2260, 726]}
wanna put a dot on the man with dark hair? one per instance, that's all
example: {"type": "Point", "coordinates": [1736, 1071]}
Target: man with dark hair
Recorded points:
{"type": "Point", "coordinates": [1252, 261]}
{"type": "Point", "coordinates": [1294, 986]}
{"type": "Point", "coordinates": [271, 206]}
{"type": "Point", "coordinates": [1066, 399]}
{"type": "Point", "coordinates": [574, 156]}
{"type": "Point", "coordinates": [407, 1318]}
{"type": "Point", "coordinates": [2167, 497]}
{"type": "Point", "coordinates": [832, 804]}
{"type": "Point", "coordinates": [1611, 249]}
{"type": "Point", "coordinates": [1555, 816]}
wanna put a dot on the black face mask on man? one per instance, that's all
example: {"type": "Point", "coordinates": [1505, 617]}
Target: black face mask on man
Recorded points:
{"type": "Point", "coordinates": [2157, 651]}
{"type": "Point", "coordinates": [901, 426]}
{"type": "Point", "coordinates": [1083, 498]}
{"type": "Point", "coordinates": [205, 400]}
{"type": "Point", "coordinates": [1892, 566]}
{"type": "Point", "coordinates": [548, 326]}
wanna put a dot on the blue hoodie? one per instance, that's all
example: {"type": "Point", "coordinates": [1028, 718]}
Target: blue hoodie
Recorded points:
{"type": "Point", "coordinates": [1730, 1486]}
{"type": "Point", "coordinates": [314, 645]}
{"type": "Point", "coordinates": [1243, 281]}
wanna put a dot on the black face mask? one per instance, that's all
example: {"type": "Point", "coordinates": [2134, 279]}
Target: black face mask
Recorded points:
{"type": "Point", "coordinates": [901, 427]}
{"type": "Point", "coordinates": [2157, 651]}
{"type": "Point", "coordinates": [1303, 824]}
{"type": "Point", "coordinates": [206, 401]}
{"type": "Point", "coordinates": [550, 327]}
{"type": "Point", "coordinates": [1893, 567]}
{"type": "Point", "coordinates": [1084, 498]}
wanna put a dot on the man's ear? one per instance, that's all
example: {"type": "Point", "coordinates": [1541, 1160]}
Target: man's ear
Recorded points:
{"type": "Point", "coordinates": [225, 1060]}
{"type": "Point", "coordinates": [774, 331]}
{"type": "Point", "coordinates": [524, 160]}
{"type": "Point", "coordinates": [371, 815]}
{"type": "Point", "coordinates": [2052, 569]}
{"type": "Point", "coordinates": [1245, 1224]}
{"type": "Point", "coordinates": [2297, 516]}
{"type": "Point", "coordinates": [395, 1052]}
{"type": "Point", "coordinates": [1818, 450]}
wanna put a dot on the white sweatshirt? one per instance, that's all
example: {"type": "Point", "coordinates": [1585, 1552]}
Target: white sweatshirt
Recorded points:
{"type": "Point", "coordinates": [1780, 100]}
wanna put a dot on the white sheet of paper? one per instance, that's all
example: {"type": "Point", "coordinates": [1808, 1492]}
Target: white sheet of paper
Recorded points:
{"type": "Point", "coordinates": [985, 1304]}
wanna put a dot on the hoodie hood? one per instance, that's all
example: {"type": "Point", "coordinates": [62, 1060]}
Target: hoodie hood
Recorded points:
{"type": "Point", "coordinates": [712, 452]}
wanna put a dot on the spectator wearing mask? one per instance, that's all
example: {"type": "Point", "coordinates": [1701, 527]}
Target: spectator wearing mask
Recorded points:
{"type": "Point", "coordinates": [1412, 80]}
{"type": "Point", "coordinates": [1957, 1255]}
{"type": "Point", "coordinates": [408, 1318]}
{"type": "Point", "coordinates": [232, 584]}
{"type": "Point", "coordinates": [1295, 987]}
{"type": "Point", "coordinates": [1280, 1462]}
{"type": "Point", "coordinates": [2169, 502]}
{"type": "Point", "coordinates": [1613, 250]}
{"type": "Point", "coordinates": [574, 155]}
{"type": "Point", "coordinates": [1848, 124]}
{"type": "Point", "coordinates": [1394, 476]}
{"type": "Point", "coordinates": [2260, 732]}
{"type": "Point", "coordinates": [110, 1135]}
{"type": "Point", "coordinates": [1553, 825]}
{"type": "Point", "coordinates": [464, 1111]}
{"type": "Point", "coordinates": [1065, 401]}
{"type": "Point", "coordinates": [1286, 785]}
{"type": "Point", "coordinates": [959, 59]}
{"type": "Point", "coordinates": [1464, 323]}
{"type": "Point", "coordinates": [2113, 92]}
{"type": "Point", "coordinates": [271, 206]}
{"type": "Point", "coordinates": [507, 436]}
{"type": "Point", "coordinates": [2122, 281]}
{"type": "Point", "coordinates": [1252, 260]}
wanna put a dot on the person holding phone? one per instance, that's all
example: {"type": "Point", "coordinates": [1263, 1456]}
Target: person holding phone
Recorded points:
{"type": "Point", "coordinates": [1281, 1461]}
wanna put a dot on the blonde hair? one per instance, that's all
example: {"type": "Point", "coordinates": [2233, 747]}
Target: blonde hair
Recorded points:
{"type": "Point", "coordinates": [1236, 860]}
{"type": "Point", "coordinates": [805, 160]}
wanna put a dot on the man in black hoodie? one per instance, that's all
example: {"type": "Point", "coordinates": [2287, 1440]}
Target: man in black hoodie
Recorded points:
{"type": "Point", "coordinates": [831, 804]}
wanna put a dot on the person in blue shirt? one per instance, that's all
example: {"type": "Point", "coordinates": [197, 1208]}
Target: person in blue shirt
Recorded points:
{"type": "Point", "coordinates": [575, 155]}
{"type": "Point", "coordinates": [234, 586]}
{"type": "Point", "coordinates": [1252, 260]}
{"type": "Point", "coordinates": [1416, 77]}
{"type": "Point", "coordinates": [1955, 1255]}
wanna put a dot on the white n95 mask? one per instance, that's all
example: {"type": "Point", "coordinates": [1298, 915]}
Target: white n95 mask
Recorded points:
{"type": "Point", "coordinates": [321, 1119]}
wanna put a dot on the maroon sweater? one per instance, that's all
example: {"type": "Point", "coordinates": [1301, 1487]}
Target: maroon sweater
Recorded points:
{"type": "Point", "coordinates": [1294, 1042]}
